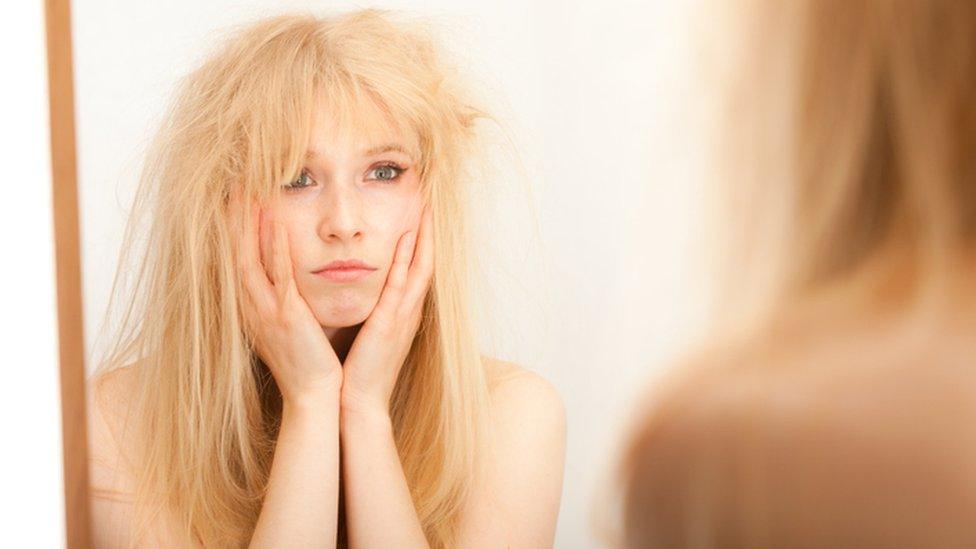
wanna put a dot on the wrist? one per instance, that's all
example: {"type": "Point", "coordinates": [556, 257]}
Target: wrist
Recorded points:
{"type": "Point", "coordinates": [326, 397]}
{"type": "Point", "coordinates": [362, 410]}
{"type": "Point", "coordinates": [373, 425]}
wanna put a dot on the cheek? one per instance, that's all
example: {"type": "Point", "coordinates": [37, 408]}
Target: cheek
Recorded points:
{"type": "Point", "coordinates": [394, 217]}
{"type": "Point", "coordinates": [301, 242]}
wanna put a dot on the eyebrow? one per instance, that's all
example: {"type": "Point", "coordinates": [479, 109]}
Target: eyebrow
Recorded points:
{"type": "Point", "coordinates": [372, 151]}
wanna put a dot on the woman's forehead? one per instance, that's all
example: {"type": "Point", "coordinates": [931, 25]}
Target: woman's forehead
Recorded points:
{"type": "Point", "coordinates": [362, 127]}
{"type": "Point", "coordinates": [324, 150]}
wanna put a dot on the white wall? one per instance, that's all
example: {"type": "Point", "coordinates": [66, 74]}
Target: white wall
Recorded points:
{"type": "Point", "coordinates": [31, 471]}
{"type": "Point", "coordinates": [604, 103]}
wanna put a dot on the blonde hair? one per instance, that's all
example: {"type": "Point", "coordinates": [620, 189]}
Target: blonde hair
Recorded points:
{"type": "Point", "coordinates": [207, 408]}
{"type": "Point", "coordinates": [848, 195]}
{"type": "Point", "coordinates": [849, 151]}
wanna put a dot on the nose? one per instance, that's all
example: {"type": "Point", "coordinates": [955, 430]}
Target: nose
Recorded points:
{"type": "Point", "coordinates": [341, 220]}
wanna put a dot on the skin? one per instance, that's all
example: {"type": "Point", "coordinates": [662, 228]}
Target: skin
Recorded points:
{"type": "Point", "coordinates": [354, 200]}
{"type": "Point", "coordinates": [349, 213]}
{"type": "Point", "coordinates": [336, 349]}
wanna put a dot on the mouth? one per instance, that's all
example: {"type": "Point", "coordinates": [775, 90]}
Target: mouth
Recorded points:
{"type": "Point", "coordinates": [349, 270]}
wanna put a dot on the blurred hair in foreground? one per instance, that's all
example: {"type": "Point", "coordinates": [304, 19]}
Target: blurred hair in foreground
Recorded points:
{"type": "Point", "coordinates": [833, 403]}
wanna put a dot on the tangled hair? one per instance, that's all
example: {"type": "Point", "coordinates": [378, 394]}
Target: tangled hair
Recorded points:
{"type": "Point", "coordinates": [207, 409]}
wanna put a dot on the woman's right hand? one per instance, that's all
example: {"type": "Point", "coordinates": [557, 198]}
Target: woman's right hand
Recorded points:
{"type": "Point", "coordinates": [277, 318]}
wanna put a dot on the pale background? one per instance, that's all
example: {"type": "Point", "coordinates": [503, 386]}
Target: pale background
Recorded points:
{"type": "Point", "coordinates": [592, 270]}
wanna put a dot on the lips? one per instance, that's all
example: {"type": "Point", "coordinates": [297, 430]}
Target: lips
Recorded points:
{"type": "Point", "coordinates": [347, 270]}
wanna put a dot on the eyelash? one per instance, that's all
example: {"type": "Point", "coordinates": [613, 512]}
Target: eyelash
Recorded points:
{"type": "Point", "coordinates": [397, 172]}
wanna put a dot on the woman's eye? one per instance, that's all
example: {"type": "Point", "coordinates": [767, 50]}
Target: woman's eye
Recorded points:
{"type": "Point", "coordinates": [300, 183]}
{"type": "Point", "coordinates": [386, 172]}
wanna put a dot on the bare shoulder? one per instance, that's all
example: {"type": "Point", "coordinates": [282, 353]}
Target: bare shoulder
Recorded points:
{"type": "Point", "coordinates": [520, 394]}
{"type": "Point", "coordinates": [113, 442]}
{"type": "Point", "coordinates": [809, 393]}
{"type": "Point", "coordinates": [115, 387]}
{"type": "Point", "coordinates": [520, 474]}
{"type": "Point", "coordinates": [111, 481]}
{"type": "Point", "coordinates": [110, 398]}
{"type": "Point", "coordinates": [109, 428]}
{"type": "Point", "coordinates": [827, 419]}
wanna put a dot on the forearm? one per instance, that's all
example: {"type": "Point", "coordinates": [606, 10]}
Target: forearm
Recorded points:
{"type": "Point", "coordinates": [301, 506]}
{"type": "Point", "coordinates": [379, 509]}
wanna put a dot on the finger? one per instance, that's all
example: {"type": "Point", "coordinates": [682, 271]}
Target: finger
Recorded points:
{"type": "Point", "coordinates": [395, 280]}
{"type": "Point", "coordinates": [401, 263]}
{"type": "Point", "coordinates": [249, 314]}
{"type": "Point", "coordinates": [256, 279]}
{"type": "Point", "coordinates": [422, 265]}
{"type": "Point", "coordinates": [266, 242]}
{"type": "Point", "coordinates": [284, 275]}
{"type": "Point", "coordinates": [238, 235]}
{"type": "Point", "coordinates": [425, 237]}
{"type": "Point", "coordinates": [235, 233]}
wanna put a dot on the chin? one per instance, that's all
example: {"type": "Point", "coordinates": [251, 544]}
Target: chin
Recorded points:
{"type": "Point", "coordinates": [343, 313]}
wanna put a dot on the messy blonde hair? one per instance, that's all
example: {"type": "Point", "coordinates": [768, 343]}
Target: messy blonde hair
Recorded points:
{"type": "Point", "coordinates": [207, 408]}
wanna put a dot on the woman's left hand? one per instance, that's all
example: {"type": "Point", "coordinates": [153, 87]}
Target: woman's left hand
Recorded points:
{"type": "Point", "coordinates": [374, 361]}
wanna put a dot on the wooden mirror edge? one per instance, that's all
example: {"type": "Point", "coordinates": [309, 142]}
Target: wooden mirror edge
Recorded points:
{"type": "Point", "coordinates": [68, 272]}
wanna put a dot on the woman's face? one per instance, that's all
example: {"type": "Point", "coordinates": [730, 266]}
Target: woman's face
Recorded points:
{"type": "Point", "coordinates": [356, 197]}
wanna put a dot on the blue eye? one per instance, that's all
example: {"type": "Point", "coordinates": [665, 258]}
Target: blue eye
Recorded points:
{"type": "Point", "coordinates": [298, 184]}
{"type": "Point", "coordinates": [386, 172]}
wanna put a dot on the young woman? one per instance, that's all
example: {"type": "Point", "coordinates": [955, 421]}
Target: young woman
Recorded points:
{"type": "Point", "coordinates": [834, 407]}
{"type": "Point", "coordinates": [297, 365]}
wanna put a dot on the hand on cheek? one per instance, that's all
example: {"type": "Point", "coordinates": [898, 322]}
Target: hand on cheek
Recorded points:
{"type": "Point", "coordinates": [377, 355]}
{"type": "Point", "coordinates": [277, 320]}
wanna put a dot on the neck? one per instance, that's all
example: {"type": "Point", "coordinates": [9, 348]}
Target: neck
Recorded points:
{"type": "Point", "coordinates": [341, 339]}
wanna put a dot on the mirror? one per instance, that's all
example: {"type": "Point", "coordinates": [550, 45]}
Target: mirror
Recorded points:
{"type": "Point", "coordinates": [585, 271]}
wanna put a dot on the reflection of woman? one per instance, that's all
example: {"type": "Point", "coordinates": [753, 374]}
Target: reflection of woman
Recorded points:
{"type": "Point", "coordinates": [838, 410]}
{"type": "Point", "coordinates": [304, 284]}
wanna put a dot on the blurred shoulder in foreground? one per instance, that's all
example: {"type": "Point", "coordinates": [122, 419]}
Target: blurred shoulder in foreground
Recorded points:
{"type": "Point", "coordinates": [843, 434]}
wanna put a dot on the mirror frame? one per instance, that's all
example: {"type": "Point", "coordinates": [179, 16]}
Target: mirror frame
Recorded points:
{"type": "Point", "coordinates": [71, 344]}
